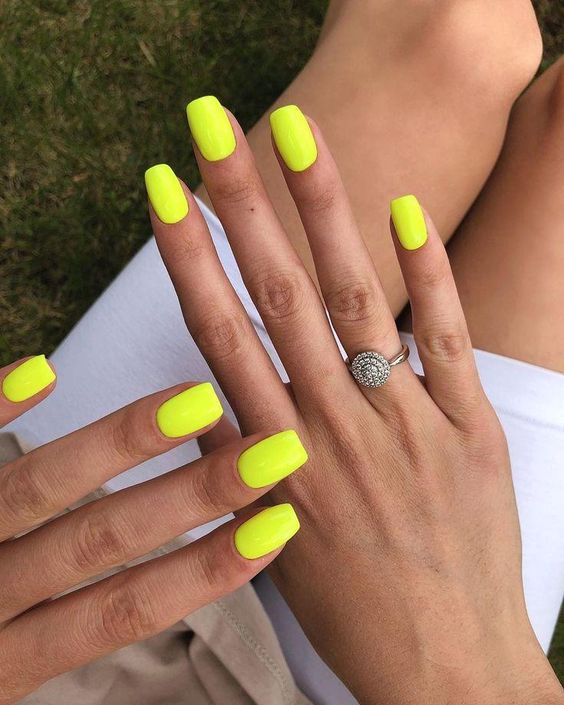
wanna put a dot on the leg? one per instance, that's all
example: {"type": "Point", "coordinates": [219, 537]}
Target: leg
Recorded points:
{"type": "Point", "coordinates": [412, 97]}
{"type": "Point", "coordinates": [508, 255]}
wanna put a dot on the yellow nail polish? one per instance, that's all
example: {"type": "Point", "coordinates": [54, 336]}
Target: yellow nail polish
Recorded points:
{"type": "Point", "coordinates": [409, 222]}
{"type": "Point", "coordinates": [266, 531]}
{"type": "Point", "coordinates": [166, 194]}
{"type": "Point", "coordinates": [189, 411]}
{"type": "Point", "coordinates": [293, 137]}
{"type": "Point", "coordinates": [28, 379]}
{"type": "Point", "coordinates": [271, 459]}
{"type": "Point", "coordinates": [210, 128]}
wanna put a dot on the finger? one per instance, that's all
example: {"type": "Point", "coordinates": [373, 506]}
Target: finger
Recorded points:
{"type": "Point", "coordinates": [439, 326]}
{"type": "Point", "coordinates": [213, 312]}
{"type": "Point", "coordinates": [128, 524]}
{"type": "Point", "coordinates": [42, 483]}
{"type": "Point", "coordinates": [142, 601]}
{"type": "Point", "coordinates": [221, 435]}
{"type": "Point", "coordinates": [278, 283]}
{"type": "Point", "coordinates": [348, 279]}
{"type": "Point", "coordinates": [24, 384]}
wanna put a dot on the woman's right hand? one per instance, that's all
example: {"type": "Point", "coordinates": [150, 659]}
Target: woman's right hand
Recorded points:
{"type": "Point", "coordinates": [41, 637]}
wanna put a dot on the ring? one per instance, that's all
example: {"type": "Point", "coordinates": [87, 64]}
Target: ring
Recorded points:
{"type": "Point", "coordinates": [372, 369]}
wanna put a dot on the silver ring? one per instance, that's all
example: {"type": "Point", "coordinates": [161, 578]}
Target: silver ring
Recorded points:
{"type": "Point", "coordinates": [370, 369]}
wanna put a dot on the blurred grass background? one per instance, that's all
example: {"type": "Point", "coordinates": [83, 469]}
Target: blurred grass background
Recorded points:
{"type": "Point", "coordinates": [91, 93]}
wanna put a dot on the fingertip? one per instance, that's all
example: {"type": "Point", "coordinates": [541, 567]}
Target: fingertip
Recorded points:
{"type": "Point", "coordinates": [293, 137]}
{"type": "Point", "coordinates": [270, 460]}
{"type": "Point", "coordinates": [190, 411]}
{"type": "Point", "coordinates": [409, 222]}
{"type": "Point", "coordinates": [28, 378]}
{"type": "Point", "coordinates": [211, 128]}
{"type": "Point", "coordinates": [267, 531]}
{"type": "Point", "coordinates": [166, 194]}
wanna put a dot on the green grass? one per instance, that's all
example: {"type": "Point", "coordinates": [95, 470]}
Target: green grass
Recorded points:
{"type": "Point", "coordinates": [91, 93]}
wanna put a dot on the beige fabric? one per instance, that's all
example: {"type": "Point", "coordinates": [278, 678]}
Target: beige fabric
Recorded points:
{"type": "Point", "coordinates": [224, 654]}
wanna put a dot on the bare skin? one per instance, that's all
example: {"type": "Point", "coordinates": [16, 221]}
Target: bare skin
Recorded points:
{"type": "Point", "coordinates": [508, 255]}
{"type": "Point", "coordinates": [406, 73]}
{"type": "Point", "coordinates": [401, 118]}
{"type": "Point", "coordinates": [411, 541]}
{"type": "Point", "coordinates": [43, 555]}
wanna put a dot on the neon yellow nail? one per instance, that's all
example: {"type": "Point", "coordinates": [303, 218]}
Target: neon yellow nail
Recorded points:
{"type": "Point", "coordinates": [266, 531]}
{"type": "Point", "coordinates": [293, 137]}
{"type": "Point", "coordinates": [271, 459]}
{"type": "Point", "coordinates": [409, 222]}
{"type": "Point", "coordinates": [211, 128]}
{"type": "Point", "coordinates": [166, 194]}
{"type": "Point", "coordinates": [188, 412]}
{"type": "Point", "coordinates": [28, 379]}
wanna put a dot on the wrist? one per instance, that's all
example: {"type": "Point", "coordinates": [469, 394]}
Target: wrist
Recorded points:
{"type": "Point", "coordinates": [494, 676]}
{"type": "Point", "coordinates": [528, 680]}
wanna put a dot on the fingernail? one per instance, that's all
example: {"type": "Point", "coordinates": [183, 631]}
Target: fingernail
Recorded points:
{"type": "Point", "coordinates": [409, 222]}
{"type": "Point", "coordinates": [28, 379]}
{"type": "Point", "coordinates": [271, 459]}
{"type": "Point", "coordinates": [189, 411]}
{"type": "Point", "coordinates": [266, 531]}
{"type": "Point", "coordinates": [293, 137]}
{"type": "Point", "coordinates": [211, 128]}
{"type": "Point", "coordinates": [166, 194]}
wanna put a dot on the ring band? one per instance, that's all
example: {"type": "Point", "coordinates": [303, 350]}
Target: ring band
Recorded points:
{"type": "Point", "coordinates": [371, 369]}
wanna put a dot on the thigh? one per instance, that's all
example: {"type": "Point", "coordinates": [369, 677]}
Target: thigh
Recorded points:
{"type": "Point", "coordinates": [508, 255]}
{"type": "Point", "coordinates": [406, 92]}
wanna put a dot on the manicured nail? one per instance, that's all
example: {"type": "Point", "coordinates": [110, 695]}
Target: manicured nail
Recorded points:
{"type": "Point", "coordinates": [28, 379]}
{"type": "Point", "coordinates": [293, 137]}
{"type": "Point", "coordinates": [266, 531]}
{"type": "Point", "coordinates": [409, 222]}
{"type": "Point", "coordinates": [271, 459]}
{"type": "Point", "coordinates": [166, 194]}
{"type": "Point", "coordinates": [211, 128]}
{"type": "Point", "coordinates": [189, 411]}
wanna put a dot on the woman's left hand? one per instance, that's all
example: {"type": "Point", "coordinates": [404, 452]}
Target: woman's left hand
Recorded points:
{"type": "Point", "coordinates": [406, 575]}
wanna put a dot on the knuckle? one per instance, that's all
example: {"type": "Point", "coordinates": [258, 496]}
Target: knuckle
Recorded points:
{"type": "Point", "coordinates": [220, 336]}
{"type": "Point", "coordinates": [22, 496]}
{"type": "Point", "coordinates": [190, 248]}
{"type": "Point", "coordinates": [279, 296]}
{"type": "Point", "coordinates": [319, 201]}
{"type": "Point", "coordinates": [126, 442]}
{"type": "Point", "coordinates": [355, 302]}
{"type": "Point", "coordinates": [211, 575]}
{"type": "Point", "coordinates": [97, 543]}
{"type": "Point", "coordinates": [124, 615]}
{"type": "Point", "coordinates": [445, 346]}
{"type": "Point", "coordinates": [206, 498]}
{"type": "Point", "coordinates": [433, 276]}
{"type": "Point", "coordinates": [236, 190]}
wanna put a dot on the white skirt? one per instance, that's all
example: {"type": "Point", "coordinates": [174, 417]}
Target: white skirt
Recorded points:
{"type": "Point", "coordinates": [133, 341]}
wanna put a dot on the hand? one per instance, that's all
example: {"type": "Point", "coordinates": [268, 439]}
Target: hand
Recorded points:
{"type": "Point", "coordinates": [406, 575]}
{"type": "Point", "coordinates": [40, 637]}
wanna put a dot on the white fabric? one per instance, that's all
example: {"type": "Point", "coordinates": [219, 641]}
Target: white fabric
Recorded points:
{"type": "Point", "coordinates": [133, 341]}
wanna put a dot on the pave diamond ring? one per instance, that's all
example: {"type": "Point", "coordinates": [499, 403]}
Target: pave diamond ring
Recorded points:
{"type": "Point", "coordinates": [372, 369]}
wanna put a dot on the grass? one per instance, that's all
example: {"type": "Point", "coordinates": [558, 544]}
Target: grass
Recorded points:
{"type": "Point", "coordinates": [91, 93]}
